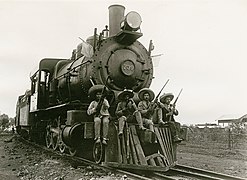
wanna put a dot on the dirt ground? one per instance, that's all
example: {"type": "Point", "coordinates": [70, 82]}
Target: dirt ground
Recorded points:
{"type": "Point", "coordinates": [232, 162]}
{"type": "Point", "coordinates": [18, 161]}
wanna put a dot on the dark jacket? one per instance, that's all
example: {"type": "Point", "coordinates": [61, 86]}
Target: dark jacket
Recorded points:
{"type": "Point", "coordinates": [165, 110]}
{"type": "Point", "coordinates": [125, 109]}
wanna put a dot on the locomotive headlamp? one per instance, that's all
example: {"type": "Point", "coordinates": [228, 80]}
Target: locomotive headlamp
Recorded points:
{"type": "Point", "coordinates": [129, 25]}
{"type": "Point", "coordinates": [132, 21]}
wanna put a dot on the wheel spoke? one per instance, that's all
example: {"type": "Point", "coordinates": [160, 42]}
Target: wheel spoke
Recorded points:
{"type": "Point", "coordinates": [54, 141]}
{"type": "Point", "coordinates": [48, 139]}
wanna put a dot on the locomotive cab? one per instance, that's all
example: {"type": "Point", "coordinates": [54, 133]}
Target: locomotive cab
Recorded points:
{"type": "Point", "coordinates": [41, 84]}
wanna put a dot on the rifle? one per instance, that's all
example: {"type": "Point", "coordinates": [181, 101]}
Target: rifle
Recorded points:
{"type": "Point", "coordinates": [177, 97]}
{"type": "Point", "coordinates": [156, 98]}
{"type": "Point", "coordinates": [174, 104]}
{"type": "Point", "coordinates": [128, 142]}
{"type": "Point", "coordinates": [101, 100]}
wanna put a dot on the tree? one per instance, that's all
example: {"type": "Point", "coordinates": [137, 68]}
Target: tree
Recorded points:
{"type": "Point", "coordinates": [238, 132]}
{"type": "Point", "coordinates": [4, 121]}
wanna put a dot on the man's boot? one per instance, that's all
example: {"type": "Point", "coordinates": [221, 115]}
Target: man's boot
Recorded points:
{"type": "Point", "coordinates": [151, 125]}
{"type": "Point", "coordinates": [161, 122]}
{"type": "Point", "coordinates": [176, 139]}
{"type": "Point", "coordinates": [121, 126]}
{"type": "Point", "coordinates": [97, 140]}
{"type": "Point", "coordinates": [97, 122]}
{"type": "Point", "coordinates": [105, 130]}
{"type": "Point", "coordinates": [159, 116]}
{"type": "Point", "coordinates": [139, 120]}
{"type": "Point", "coordinates": [104, 141]}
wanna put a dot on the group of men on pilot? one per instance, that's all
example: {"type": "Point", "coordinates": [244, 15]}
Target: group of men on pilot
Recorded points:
{"type": "Point", "coordinates": [128, 111]}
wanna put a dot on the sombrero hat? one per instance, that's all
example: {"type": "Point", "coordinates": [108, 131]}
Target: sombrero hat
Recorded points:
{"type": "Point", "coordinates": [125, 92]}
{"type": "Point", "coordinates": [165, 95]}
{"type": "Point", "coordinates": [146, 90]}
{"type": "Point", "coordinates": [94, 89]}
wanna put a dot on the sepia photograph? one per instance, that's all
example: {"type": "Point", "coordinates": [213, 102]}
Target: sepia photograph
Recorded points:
{"type": "Point", "coordinates": [123, 89]}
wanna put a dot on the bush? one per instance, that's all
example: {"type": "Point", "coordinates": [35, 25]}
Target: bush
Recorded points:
{"type": "Point", "coordinates": [233, 137]}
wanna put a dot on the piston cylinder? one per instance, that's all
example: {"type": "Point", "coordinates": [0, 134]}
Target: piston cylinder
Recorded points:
{"type": "Point", "coordinates": [72, 135]}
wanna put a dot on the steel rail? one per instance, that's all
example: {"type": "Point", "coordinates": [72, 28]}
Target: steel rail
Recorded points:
{"type": "Point", "coordinates": [208, 173]}
{"type": "Point", "coordinates": [187, 172]}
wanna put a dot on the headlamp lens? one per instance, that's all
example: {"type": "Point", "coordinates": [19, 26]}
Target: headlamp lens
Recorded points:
{"type": "Point", "coordinates": [133, 20]}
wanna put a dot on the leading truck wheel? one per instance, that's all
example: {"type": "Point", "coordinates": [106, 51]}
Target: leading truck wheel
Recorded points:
{"type": "Point", "coordinates": [98, 152]}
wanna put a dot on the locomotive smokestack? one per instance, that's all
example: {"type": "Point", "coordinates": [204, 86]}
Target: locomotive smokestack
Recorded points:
{"type": "Point", "coordinates": [116, 15]}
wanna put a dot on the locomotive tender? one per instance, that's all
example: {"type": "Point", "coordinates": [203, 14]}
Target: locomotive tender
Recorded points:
{"type": "Point", "coordinates": [54, 110]}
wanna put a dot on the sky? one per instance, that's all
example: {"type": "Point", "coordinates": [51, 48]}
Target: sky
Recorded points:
{"type": "Point", "coordinates": [203, 45]}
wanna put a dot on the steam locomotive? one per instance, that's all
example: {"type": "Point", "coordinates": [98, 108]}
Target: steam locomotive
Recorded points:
{"type": "Point", "coordinates": [54, 111]}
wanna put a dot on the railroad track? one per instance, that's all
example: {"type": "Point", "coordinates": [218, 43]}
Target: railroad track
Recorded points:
{"type": "Point", "coordinates": [187, 172]}
{"type": "Point", "coordinates": [78, 161]}
{"type": "Point", "coordinates": [176, 173]}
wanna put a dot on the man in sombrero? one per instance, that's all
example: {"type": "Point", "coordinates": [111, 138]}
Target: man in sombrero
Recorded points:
{"type": "Point", "coordinates": [95, 92]}
{"type": "Point", "coordinates": [127, 110]}
{"type": "Point", "coordinates": [146, 107]}
{"type": "Point", "coordinates": [167, 115]}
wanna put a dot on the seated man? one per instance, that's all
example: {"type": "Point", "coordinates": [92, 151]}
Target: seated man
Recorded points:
{"type": "Point", "coordinates": [146, 107]}
{"type": "Point", "coordinates": [166, 115]}
{"type": "Point", "coordinates": [100, 112]}
{"type": "Point", "coordinates": [127, 110]}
